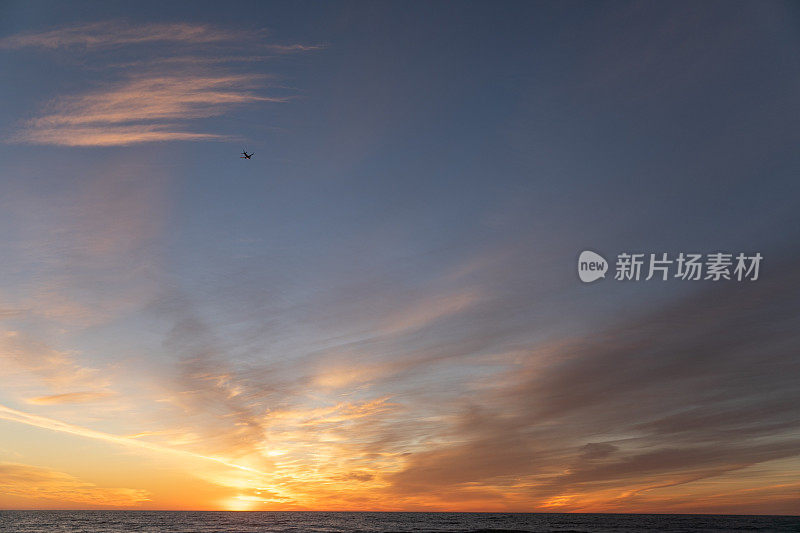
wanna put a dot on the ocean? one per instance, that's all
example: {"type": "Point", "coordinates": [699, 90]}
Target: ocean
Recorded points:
{"type": "Point", "coordinates": [324, 522]}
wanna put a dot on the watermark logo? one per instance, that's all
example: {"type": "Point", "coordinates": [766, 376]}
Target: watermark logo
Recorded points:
{"type": "Point", "coordinates": [716, 266]}
{"type": "Point", "coordinates": [591, 266]}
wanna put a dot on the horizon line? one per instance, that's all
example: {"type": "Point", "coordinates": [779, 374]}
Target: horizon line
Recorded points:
{"type": "Point", "coordinates": [362, 511]}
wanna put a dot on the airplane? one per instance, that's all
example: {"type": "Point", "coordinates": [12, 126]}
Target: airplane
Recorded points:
{"type": "Point", "coordinates": [245, 155]}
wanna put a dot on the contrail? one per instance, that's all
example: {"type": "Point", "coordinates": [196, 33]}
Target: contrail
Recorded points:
{"type": "Point", "coordinates": [13, 415]}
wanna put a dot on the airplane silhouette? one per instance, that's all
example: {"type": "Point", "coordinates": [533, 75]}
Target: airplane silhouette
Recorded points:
{"type": "Point", "coordinates": [245, 155]}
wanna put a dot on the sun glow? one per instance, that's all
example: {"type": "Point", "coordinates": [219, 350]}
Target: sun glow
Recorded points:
{"type": "Point", "coordinates": [238, 503]}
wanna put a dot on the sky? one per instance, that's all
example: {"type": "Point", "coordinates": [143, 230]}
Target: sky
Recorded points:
{"type": "Point", "coordinates": [381, 309]}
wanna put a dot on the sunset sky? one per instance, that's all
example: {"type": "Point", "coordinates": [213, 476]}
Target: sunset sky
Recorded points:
{"type": "Point", "coordinates": [381, 310]}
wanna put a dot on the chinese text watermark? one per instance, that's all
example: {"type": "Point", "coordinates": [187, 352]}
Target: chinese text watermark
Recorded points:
{"type": "Point", "coordinates": [717, 266]}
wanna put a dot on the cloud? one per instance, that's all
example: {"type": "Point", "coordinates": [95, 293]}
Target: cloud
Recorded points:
{"type": "Point", "coordinates": [179, 96]}
{"type": "Point", "coordinates": [682, 396]}
{"type": "Point", "coordinates": [88, 250]}
{"type": "Point", "coordinates": [12, 313]}
{"type": "Point", "coordinates": [156, 96]}
{"type": "Point", "coordinates": [70, 397]}
{"type": "Point", "coordinates": [141, 109]}
{"type": "Point", "coordinates": [429, 310]}
{"type": "Point", "coordinates": [109, 136]}
{"type": "Point", "coordinates": [286, 48]}
{"type": "Point", "coordinates": [224, 404]}
{"type": "Point", "coordinates": [111, 33]}
{"type": "Point", "coordinates": [25, 481]}
{"type": "Point", "coordinates": [21, 417]}
{"type": "Point", "coordinates": [57, 368]}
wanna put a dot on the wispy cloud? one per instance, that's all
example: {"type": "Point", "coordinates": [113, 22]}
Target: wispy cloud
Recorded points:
{"type": "Point", "coordinates": [26, 481]}
{"type": "Point", "coordinates": [114, 33]}
{"type": "Point", "coordinates": [154, 98]}
{"type": "Point", "coordinates": [158, 94]}
{"type": "Point", "coordinates": [284, 48]}
{"type": "Point", "coordinates": [57, 368]}
{"type": "Point", "coordinates": [87, 250]}
{"type": "Point", "coordinates": [698, 390]}
{"type": "Point", "coordinates": [144, 109]}
{"type": "Point", "coordinates": [430, 310]}
{"type": "Point", "coordinates": [70, 397]}
{"type": "Point", "coordinates": [21, 417]}
{"type": "Point", "coordinates": [114, 136]}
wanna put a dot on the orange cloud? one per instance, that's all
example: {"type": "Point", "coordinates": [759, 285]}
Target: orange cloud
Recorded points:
{"type": "Point", "coordinates": [152, 104]}
{"type": "Point", "coordinates": [142, 109]}
{"type": "Point", "coordinates": [430, 310]}
{"type": "Point", "coordinates": [25, 481]}
{"type": "Point", "coordinates": [105, 136]}
{"type": "Point", "coordinates": [178, 96]}
{"type": "Point", "coordinates": [56, 368]}
{"type": "Point", "coordinates": [70, 397]}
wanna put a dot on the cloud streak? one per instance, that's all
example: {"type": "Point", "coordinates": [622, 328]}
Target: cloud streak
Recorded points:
{"type": "Point", "coordinates": [14, 415]}
{"type": "Point", "coordinates": [154, 98]}
{"type": "Point", "coordinates": [144, 109]}
{"type": "Point", "coordinates": [110, 33]}
{"type": "Point", "coordinates": [114, 136]}
{"type": "Point", "coordinates": [159, 95]}
{"type": "Point", "coordinates": [70, 397]}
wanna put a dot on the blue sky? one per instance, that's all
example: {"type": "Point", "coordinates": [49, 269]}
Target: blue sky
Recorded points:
{"type": "Point", "coordinates": [400, 250]}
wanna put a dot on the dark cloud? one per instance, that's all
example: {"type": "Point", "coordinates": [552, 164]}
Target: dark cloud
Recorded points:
{"type": "Point", "coordinates": [223, 400]}
{"type": "Point", "coordinates": [597, 450]}
{"type": "Point", "coordinates": [690, 391]}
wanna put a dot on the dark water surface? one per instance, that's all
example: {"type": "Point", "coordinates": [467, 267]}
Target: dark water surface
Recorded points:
{"type": "Point", "coordinates": [320, 522]}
